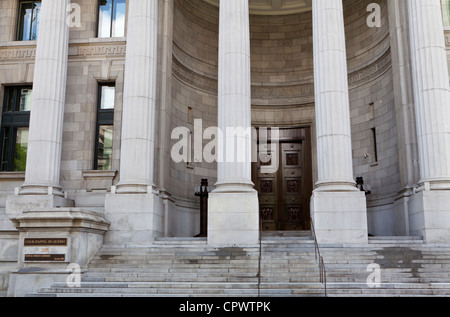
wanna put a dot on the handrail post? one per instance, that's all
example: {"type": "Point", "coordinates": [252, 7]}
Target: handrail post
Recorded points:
{"type": "Point", "coordinates": [259, 258]}
{"type": "Point", "coordinates": [322, 270]}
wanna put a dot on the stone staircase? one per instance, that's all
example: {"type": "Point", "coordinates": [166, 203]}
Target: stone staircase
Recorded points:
{"type": "Point", "coordinates": [187, 267]}
{"type": "Point", "coordinates": [408, 267]}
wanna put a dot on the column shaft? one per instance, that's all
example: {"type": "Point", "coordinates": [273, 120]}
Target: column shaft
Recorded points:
{"type": "Point", "coordinates": [135, 210]}
{"type": "Point", "coordinates": [431, 91]}
{"type": "Point", "coordinates": [334, 147]}
{"type": "Point", "coordinates": [49, 92]}
{"type": "Point", "coordinates": [138, 125]}
{"type": "Point", "coordinates": [234, 145]}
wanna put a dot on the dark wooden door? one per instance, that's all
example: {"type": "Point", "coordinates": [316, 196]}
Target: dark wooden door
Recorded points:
{"type": "Point", "coordinates": [284, 193]}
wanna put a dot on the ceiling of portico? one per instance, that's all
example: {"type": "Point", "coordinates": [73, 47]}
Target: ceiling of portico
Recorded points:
{"type": "Point", "coordinates": [275, 7]}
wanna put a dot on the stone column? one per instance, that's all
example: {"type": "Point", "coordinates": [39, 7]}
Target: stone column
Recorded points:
{"type": "Point", "coordinates": [233, 206]}
{"type": "Point", "coordinates": [42, 187]}
{"type": "Point", "coordinates": [49, 93]}
{"type": "Point", "coordinates": [132, 208]}
{"type": "Point", "coordinates": [139, 98]}
{"type": "Point", "coordinates": [338, 208]}
{"type": "Point", "coordinates": [431, 204]}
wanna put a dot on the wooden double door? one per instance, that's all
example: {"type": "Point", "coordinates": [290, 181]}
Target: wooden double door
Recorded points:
{"type": "Point", "coordinates": [285, 187]}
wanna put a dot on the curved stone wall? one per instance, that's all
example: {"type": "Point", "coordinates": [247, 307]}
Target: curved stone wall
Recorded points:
{"type": "Point", "coordinates": [283, 86]}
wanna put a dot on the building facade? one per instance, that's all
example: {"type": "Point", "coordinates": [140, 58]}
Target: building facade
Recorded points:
{"type": "Point", "coordinates": [113, 112]}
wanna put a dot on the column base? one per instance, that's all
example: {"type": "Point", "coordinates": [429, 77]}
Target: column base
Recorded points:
{"type": "Point", "coordinates": [429, 215]}
{"type": "Point", "coordinates": [136, 219]}
{"type": "Point", "coordinates": [340, 217]}
{"type": "Point", "coordinates": [233, 219]}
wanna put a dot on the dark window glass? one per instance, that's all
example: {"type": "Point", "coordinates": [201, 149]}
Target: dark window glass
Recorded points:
{"type": "Point", "coordinates": [111, 18]}
{"type": "Point", "coordinates": [15, 128]}
{"type": "Point", "coordinates": [29, 12]}
{"type": "Point", "coordinates": [105, 147]}
{"type": "Point", "coordinates": [105, 127]}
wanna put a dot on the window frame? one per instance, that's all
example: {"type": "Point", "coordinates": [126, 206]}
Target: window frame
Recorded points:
{"type": "Point", "coordinates": [12, 120]}
{"type": "Point", "coordinates": [445, 6]}
{"type": "Point", "coordinates": [104, 117]}
{"type": "Point", "coordinates": [111, 26]}
{"type": "Point", "coordinates": [20, 21]}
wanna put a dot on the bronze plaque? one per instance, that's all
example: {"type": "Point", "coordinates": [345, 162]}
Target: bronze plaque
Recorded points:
{"type": "Point", "coordinates": [45, 257]}
{"type": "Point", "coordinates": [56, 242]}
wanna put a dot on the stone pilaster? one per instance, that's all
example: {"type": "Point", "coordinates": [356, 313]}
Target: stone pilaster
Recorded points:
{"type": "Point", "coordinates": [338, 208]}
{"type": "Point", "coordinates": [49, 93]}
{"type": "Point", "coordinates": [142, 222]}
{"type": "Point", "coordinates": [430, 206]}
{"type": "Point", "coordinates": [233, 206]}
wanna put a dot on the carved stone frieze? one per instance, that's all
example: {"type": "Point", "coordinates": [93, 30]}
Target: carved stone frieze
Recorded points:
{"type": "Point", "coordinates": [17, 53]}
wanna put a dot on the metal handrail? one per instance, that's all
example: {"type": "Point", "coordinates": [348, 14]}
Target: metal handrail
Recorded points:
{"type": "Point", "coordinates": [322, 269]}
{"type": "Point", "coordinates": [260, 258]}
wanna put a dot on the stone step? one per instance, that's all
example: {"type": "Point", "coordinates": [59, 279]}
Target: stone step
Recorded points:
{"type": "Point", "coordinates": [189, 267]}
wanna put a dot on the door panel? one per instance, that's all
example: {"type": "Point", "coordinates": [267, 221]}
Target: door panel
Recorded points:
{"type": "Point", "coordinates": [284, 194]}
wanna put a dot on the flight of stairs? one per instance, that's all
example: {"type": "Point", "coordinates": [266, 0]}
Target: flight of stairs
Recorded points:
{"type": "Point", "coordinates": [187, 267]}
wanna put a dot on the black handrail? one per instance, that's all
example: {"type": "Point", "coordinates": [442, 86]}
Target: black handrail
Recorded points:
{"type": "Point", "coordinates": [322, 269]}
{"type": "Point", "coordinates": [259, 259]}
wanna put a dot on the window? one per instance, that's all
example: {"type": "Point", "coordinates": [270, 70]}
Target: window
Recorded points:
{"type": "Point", "coordinates": [29, 12]}
{"type": "Point", "coordinates": [105, 127]}
{"type": "Point", "coordinates": [111, 18]}
{"type": "Point", "coordinates": [446, 12]}
{"type": "Point", "coordinates": [15, 128]}
{"type": "Point", "coordinates": [374, 146]}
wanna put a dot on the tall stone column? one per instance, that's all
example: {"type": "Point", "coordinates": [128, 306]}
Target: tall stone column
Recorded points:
{"type": "Point", "coordinates": [41, 193]}
{"type": "Point", "coordinates": [430, 206]}
{"type": "Point", "coordinates": [49, 93]}
{"type": "Point", "coordinates": [338, 208]}
{"type": "Point", "coordinates": [133, 208]}
{"type": "Point", "coordinates": [42, 188]}
{"type": "Point", "coordinates": [233, 206]}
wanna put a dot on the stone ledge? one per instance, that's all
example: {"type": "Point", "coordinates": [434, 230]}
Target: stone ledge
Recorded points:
{"type": "Point", "coordinates": [98, 180]}
{"type": "Point", "coordinates": [74, 218]}
{"type": "Point", "coordinates": [12, 176]}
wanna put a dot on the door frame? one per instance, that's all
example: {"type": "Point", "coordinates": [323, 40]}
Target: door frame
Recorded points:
{"type": "Point", "coordinates": [296, 134]}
